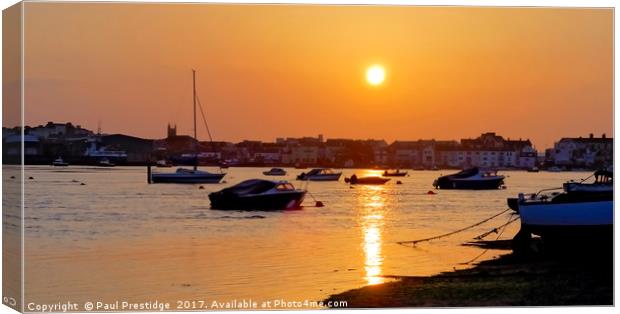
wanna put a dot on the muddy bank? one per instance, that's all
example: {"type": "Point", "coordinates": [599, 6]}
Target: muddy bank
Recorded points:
{"type": "Point", "coordinates": [540, 279]}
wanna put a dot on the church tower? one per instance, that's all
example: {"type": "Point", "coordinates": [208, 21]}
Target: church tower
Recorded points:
{"type": "Point", "coordinates": [172, 130]}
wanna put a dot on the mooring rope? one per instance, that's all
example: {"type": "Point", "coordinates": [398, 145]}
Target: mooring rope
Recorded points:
{"type": "Point", "coordinates": [496, 229]}
{"type": "Point", "coordinates": [503, 227]}
{"type": "Point", "coordinates": [414, 242]}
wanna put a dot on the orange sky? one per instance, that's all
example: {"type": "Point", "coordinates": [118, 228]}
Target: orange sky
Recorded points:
{"type": "Point", "coordinates": [266, 71]}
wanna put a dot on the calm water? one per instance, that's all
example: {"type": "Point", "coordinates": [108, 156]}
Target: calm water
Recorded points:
{"type": "Point", "coordinates": [119, 238]}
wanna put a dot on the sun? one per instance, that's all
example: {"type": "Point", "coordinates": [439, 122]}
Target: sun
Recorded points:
{"type": "Point", "coordinates": [375, 75]}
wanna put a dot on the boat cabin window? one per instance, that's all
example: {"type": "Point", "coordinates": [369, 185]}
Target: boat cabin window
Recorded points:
{"type": "Point", "coordinates": [285, 187]}
{"type": "Point", "coordinates": [603, 177]}
{"type": "Point", "coordinates": [489, 174]}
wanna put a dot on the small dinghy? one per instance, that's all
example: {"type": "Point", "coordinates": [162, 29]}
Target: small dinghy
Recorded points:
{"type": "Point", "coordinates": [396, 173]}
{"type": "Point", "coordinates": [366, 180]}
{"type": "Point", "coordinates": [258, 194]}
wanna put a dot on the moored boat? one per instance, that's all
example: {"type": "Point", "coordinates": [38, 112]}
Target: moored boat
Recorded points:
{"type": "Point", "coordinates": [58, 162]}
{"type": "Point", "coordinates": [104, 162]}
{"type": "Point", "coordinates": [578, 212]}
{"type": "Point", "coordinates": [183, 175]}
{"type": "Point", "coordinates": [470, 179]}
{"type": "Point", "coordinates": [320, 174]}
{"type": "Point", "coordinates": [533, 169]}
{"type": "Point", "coordinates": [257, 194]}
{"type": "Point", "coordinates": [396, 173]}
{"type": "Point", "coordinates": [354, 179]}
{"type": "Point", "coordinates": [275, 172]}
{"type": "Point", "coordinates": [163, 164]}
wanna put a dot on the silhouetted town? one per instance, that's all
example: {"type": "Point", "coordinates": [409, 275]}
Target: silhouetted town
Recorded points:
{"type": "Point", "coordinates": [77, 145]}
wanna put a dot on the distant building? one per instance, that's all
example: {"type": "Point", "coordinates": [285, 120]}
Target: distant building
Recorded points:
{"type": "Point", "coordinates": [421, 153]}
{"type": "Point", "coordinates": [54, 130]}
{"type": "Point", "coordinates": [590, 152]}
{"type": "Point", "coordinates": [307, 154]}
{"type": "Point", "coordinates": [300, 140]}
{"type": "Point", "coordinates": [13, 145]}
{"type": "Point", "coordinates": [493, 151]}
{"type": "Point", "coordinates": [137, 150]}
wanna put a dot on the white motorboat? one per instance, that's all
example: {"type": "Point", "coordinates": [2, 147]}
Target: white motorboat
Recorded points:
{"type": "Point", "coordinates": [58, 162]}
{"type": "Point", "coordinates": [163, 164]}
{"type": "Point", "coordinates": [183, 175]}
{"type": "Point", "coordinates": [104, 162]}
{"type": "Point", "coordinates": [470, 179]}
{"type": "Point", "coordinates": [320, 174]}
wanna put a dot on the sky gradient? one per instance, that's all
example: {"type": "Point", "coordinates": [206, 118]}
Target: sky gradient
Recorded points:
{"type": "Point", "coordinates": [265, 71]}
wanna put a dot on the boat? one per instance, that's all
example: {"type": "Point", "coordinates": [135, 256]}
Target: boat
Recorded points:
{"type": "Point", "coordinates": [578, 211]}
{"type": "Point", "coordinates": [163, 164]}
{"type": "Point", "coordinates": [258, 194]}
{"type": "Point", "coordinates": [104, 162]}
{"type": "Point", "coordinates": [396, 173]}
{"type": "Point", "coordinates": [554, 169]}
{"type": "Point", "coordinates": [184, 175]}
{"type": "Point", "coordinates": [96, 151]}
{"type": "Point", "coordinates": [58, 162]}
{"type": "Point", "coordinates": [275, 172]}
{"type": "Point", "coordinates": [320, 174]}
{"type": "Point", "coordinates": [366, 180]}
{"type": "Point", "coordinates": [470, 179]}
{"type": "Point", "coordinates": [533, 169]}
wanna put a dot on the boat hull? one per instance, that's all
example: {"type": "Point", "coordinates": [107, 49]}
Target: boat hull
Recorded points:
{"type": "Point", "coordinates": [266, 202]}
{"type": "Point", "coordinates": [186, 178]}
{"type": "Point", "coordinates": [331, 177]}
{"type": "Point", "coordinates": [566, 215]}
{"type": "Point", "coordinates": [570, 226]}
{"type": "Point", "coordinates": [367, 181]}
{"type": "Point", "coordinates": [394, 174]}
{"type": "Point", "coordinates": [459, 184]}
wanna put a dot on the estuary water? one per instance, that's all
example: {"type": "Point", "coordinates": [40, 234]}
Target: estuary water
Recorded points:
{"type": "Point", "coordinates": [104, 234]}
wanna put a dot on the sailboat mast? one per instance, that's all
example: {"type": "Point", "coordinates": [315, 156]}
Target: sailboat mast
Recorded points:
{"type": "Point", "coordinates": [195, 130]}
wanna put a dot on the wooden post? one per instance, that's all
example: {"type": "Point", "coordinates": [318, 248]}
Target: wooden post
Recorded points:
{"type": "Point", "coordinates": [148, 174]}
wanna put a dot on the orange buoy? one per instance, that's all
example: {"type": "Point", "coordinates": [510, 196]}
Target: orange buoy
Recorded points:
{"type": "Point", "coordinates": [319, 204]}
{"type": "Point", "coordinates": [431, 193]}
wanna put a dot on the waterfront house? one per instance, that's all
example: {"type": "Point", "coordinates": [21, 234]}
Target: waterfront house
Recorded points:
{"type": "Point", "coordinates": [590, 152]}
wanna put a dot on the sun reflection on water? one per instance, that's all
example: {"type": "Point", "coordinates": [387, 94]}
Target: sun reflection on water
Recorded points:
{"type": "Point", "coordinates": [373, 202]}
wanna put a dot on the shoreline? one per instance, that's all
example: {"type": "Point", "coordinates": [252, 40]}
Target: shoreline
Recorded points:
{"type": "Point", "coordinates": [538, 279]}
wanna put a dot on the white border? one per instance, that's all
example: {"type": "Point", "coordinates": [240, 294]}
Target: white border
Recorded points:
{"type": "Point", "coordinates": [489, 3]}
